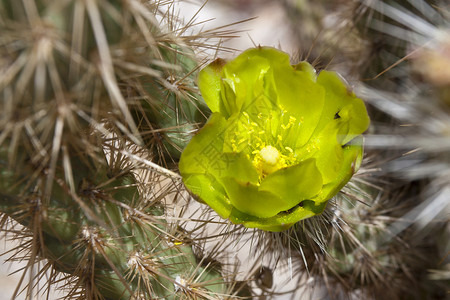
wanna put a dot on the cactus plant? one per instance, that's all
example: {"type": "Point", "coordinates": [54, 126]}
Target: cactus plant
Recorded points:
{"type": "Point", "coordinates": [87, 87]}
{"type": "Point", "coordinates": [99, 98]}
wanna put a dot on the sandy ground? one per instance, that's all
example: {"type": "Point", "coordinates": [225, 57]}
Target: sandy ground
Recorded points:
{"type": "Point", "coordinates": [9, 278]}
{"type": "Point", "coordinates": [8, 281]}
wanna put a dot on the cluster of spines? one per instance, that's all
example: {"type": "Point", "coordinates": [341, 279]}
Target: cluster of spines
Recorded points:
{"type": "Point", "coordinates": [88, 87]}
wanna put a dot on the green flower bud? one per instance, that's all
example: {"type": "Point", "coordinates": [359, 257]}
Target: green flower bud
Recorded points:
{"type": "Point", "coordinates": [281, 140]}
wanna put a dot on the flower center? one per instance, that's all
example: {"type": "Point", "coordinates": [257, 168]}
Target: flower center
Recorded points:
{"type": "Point", "coordinates": [268, 160]}
{"type": "Point", "coordinates": [269, 155]}
{"type": "Point", "coordinates": [265, 139]}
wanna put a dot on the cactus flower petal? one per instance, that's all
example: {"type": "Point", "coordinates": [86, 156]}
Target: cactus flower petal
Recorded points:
{"type": "Point", "coordinates": [280, 143]}
{"type": "Point", "coordinates": [294, 184]}
{"type": "Point", "coordinates": [257, 202]}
